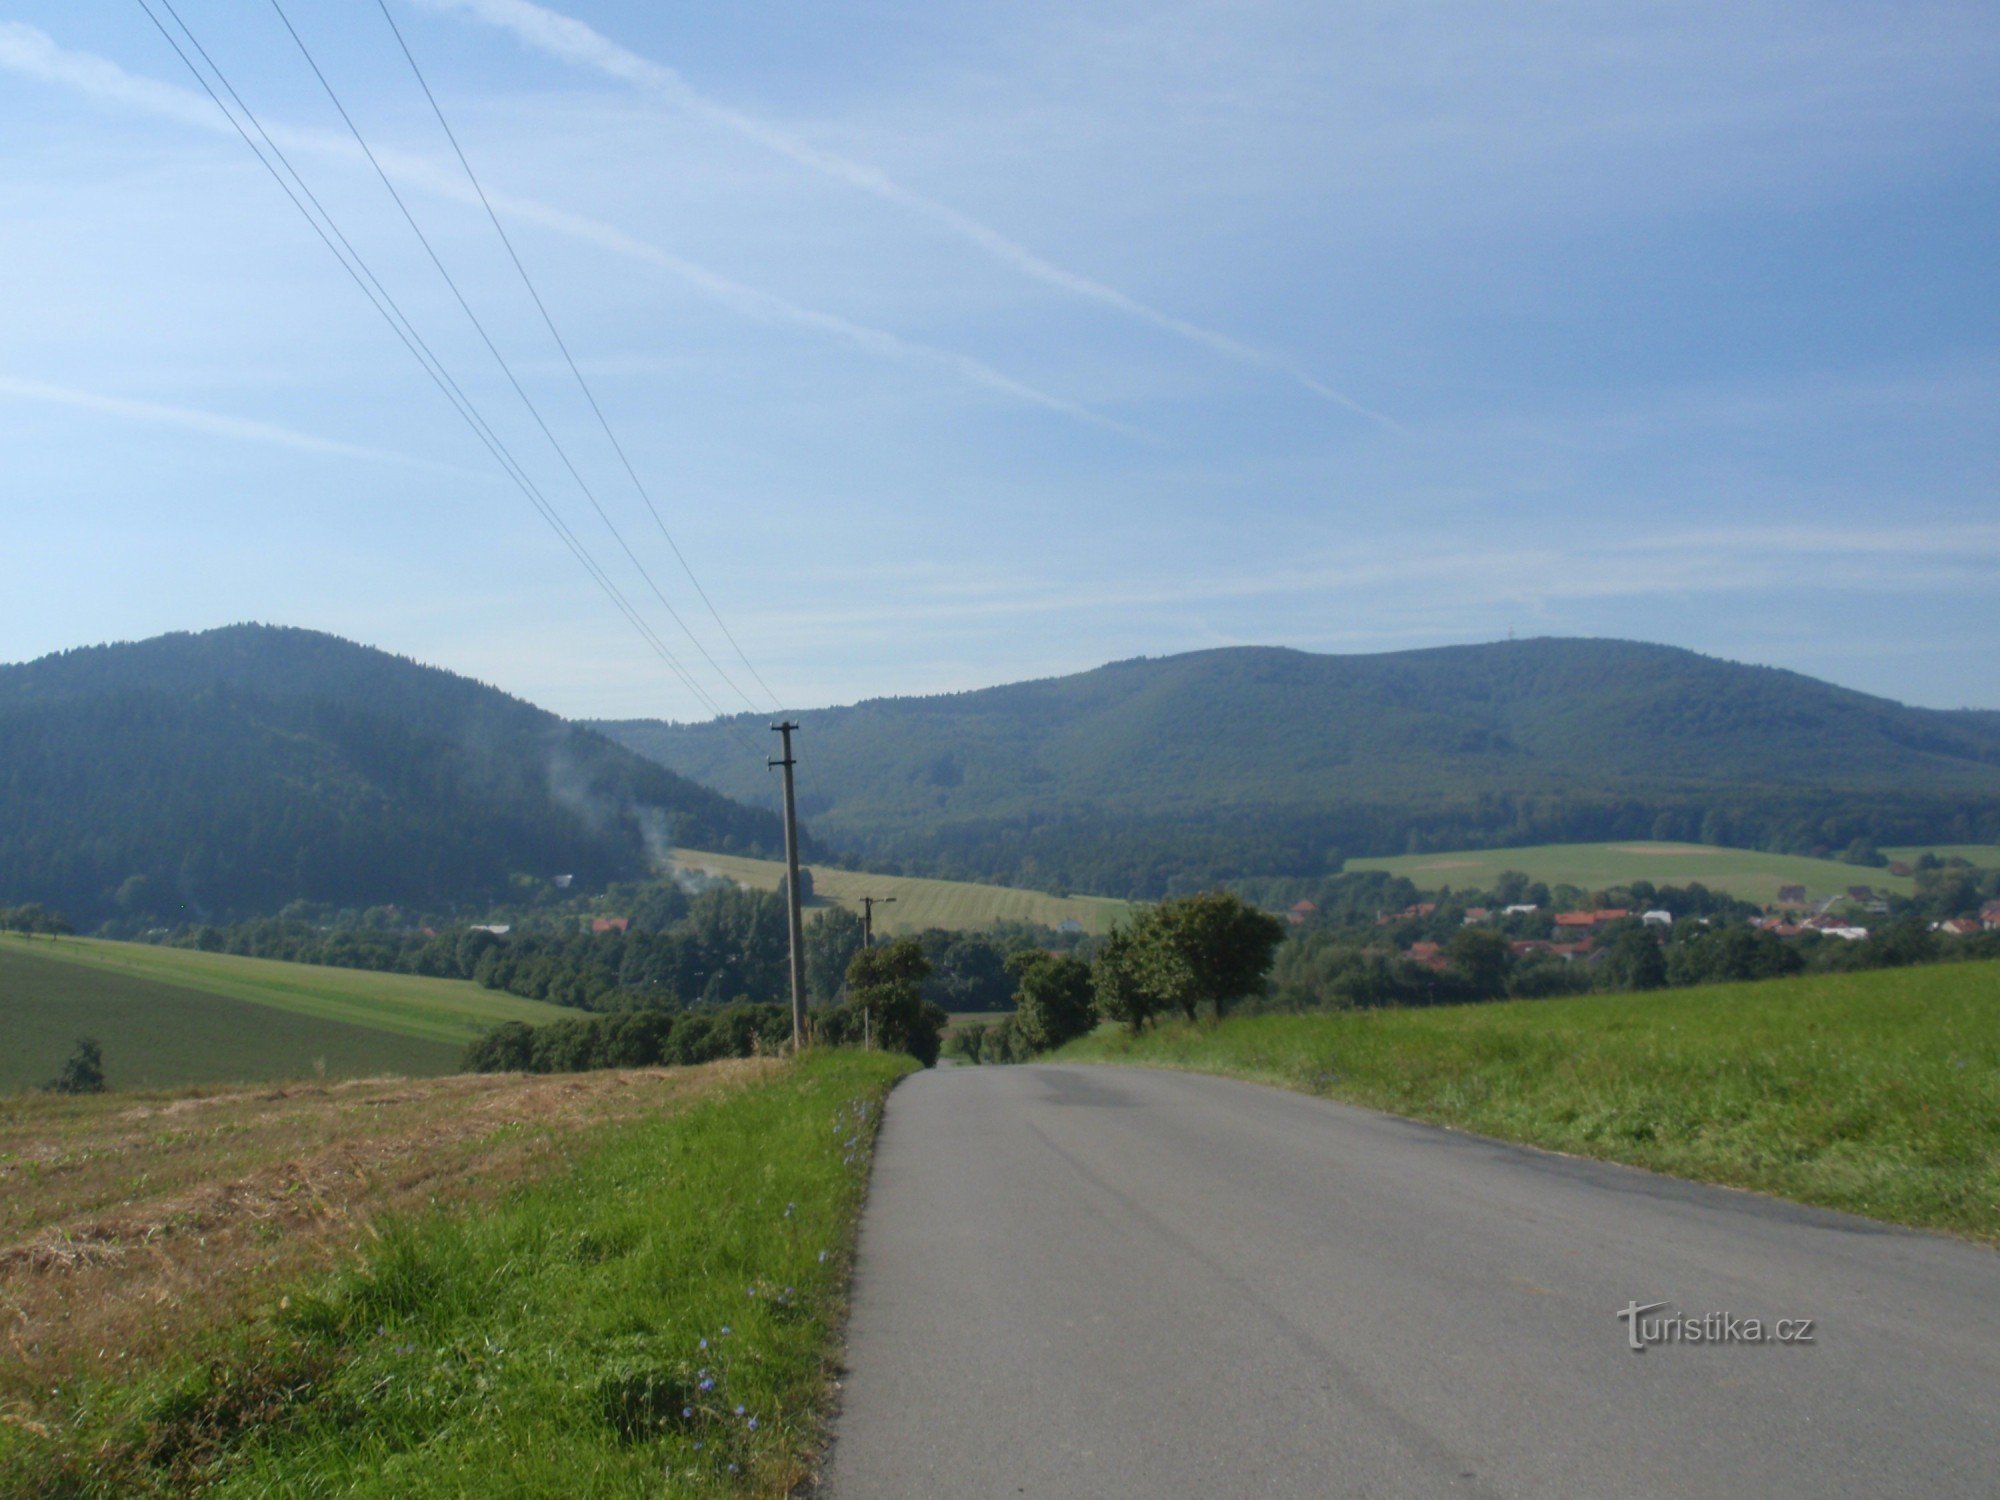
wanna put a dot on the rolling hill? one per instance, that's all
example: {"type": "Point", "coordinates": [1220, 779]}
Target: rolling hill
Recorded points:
{"type": "Point", "coordinates": [172, 1016]}
{"type": "Point", "coordinates": [1153, 775]}
{"type": "Point", "coordinates": [227, 773]}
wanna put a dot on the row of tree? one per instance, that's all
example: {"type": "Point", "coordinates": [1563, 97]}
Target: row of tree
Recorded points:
{"type": "Point", "coordinates": [1192, 955]}
{"type": "Point", "coordinates": [34, 917]}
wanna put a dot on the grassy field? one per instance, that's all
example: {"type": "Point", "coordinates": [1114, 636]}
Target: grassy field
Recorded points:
{"type": "Point", "coordinates": [1986, 856]}
{"type": "Point", "coordinates": [600, 1284]}
{"type": "Point", "coordinates": [1739, 872]}
{"type": "Point", "coordinates": [1878, 1093]}
{"type": "Point", "coordinates": [171, 1016]}
{"type": "Point", "coordinates": [919, 903]}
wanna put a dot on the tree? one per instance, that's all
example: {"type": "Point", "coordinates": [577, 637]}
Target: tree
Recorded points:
{"type": "Point", "coordinates": [832, 939]}
{"type": "Point", "coordinates": [1211, 948]}
{"type": "Point", "coordinates": [886, 985]}
{"type": "Point", "coordinates": [1634, 961]}
{"type": "Point", "coordinates": [1481, 958]}
{"type": "Point", "coordinates": [1052, 999]}
{"type": "Point", "coordinates": [1114, 980]}
{"type": "Point", "coordinates": [83, 1073]}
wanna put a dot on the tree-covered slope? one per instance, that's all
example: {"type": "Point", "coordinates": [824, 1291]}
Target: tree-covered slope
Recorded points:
{"type": "Point", "coordinates": [1146, 774]}
{"type": "Point", "coordinates": [230, 772]}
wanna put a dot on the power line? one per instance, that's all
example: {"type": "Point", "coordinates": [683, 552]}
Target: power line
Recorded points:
{"type": "Point", "coordinates": [494, 349]}
{"type": "Point", "coordinates": [378, 296]}
{"type": "Point", "coordinates": [582, 384]}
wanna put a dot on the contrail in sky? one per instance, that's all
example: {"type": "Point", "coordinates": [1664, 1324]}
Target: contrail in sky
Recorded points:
{"type": "Point", "coordinates": [27, 50]}
{"type": "Point", "coordinates": [574, 41]}
{"type": "Point", "coordinates": [213, 423]}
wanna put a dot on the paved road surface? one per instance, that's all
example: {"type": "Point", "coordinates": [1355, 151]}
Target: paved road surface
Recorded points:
{"type": "Point", "coordinates": [1101, 1282]}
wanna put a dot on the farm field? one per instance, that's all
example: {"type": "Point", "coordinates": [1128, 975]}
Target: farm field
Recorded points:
{"type": "Point", "coordinates": [1877, 1093]}
{"type": "Point", "coordinates": [1986, 856]}
{"type": "Point", "coordinates": [171, 1016]}
{"type": "Point", "coordinates": [1743, 873]}
{"type": "Point", "coordinates": [920, 903]}
{"type": "Point", "coordinates": [466, 1285]}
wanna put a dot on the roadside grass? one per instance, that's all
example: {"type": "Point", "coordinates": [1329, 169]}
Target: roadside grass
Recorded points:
{"type": "Point", "coordinates": [1877, 1093]}
{"type": "Point", "coordinates": [130, 1222]}
{"type": "Point", "coordinates": [954, 904]}
{"type": "Point", "coordinates": [451, 1011]}
{"type": "Point", "coordinates": [552, 1338]}
{"type": "Point", "coordinates": [160, 1035]}
{"type": "Point", "coordinates": [1743, 873]}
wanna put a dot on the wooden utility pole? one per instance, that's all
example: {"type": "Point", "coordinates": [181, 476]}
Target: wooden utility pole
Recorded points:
{"type": "Point", "coordinates": [868, 905]}
{"type": "Point", "coordinates": [793, 903]}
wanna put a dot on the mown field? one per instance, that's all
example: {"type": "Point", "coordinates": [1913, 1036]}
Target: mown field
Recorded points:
{"type": "Point", "coordinates": [1743, 873]}
{"type": "Point", "coordinates": [1986, 856]}
{"type": "Point", "coordinates": [599, 1284]}
{"type": "Point", "coordinates": [169, 1016]}
{"type": "Point", "coordinates": [920, 903]}
{"type": "Point", "coordinates": [1878, 1093]}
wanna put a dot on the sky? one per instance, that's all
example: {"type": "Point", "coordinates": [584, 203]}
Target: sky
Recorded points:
{"type": "Point", "coordinates": [958, 344]}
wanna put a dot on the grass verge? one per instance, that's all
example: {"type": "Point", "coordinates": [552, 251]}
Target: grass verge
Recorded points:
{"type": "Point", "coordinates": [1876, 1093]}
{"type": "Point", "coordinates": [593, 1331]}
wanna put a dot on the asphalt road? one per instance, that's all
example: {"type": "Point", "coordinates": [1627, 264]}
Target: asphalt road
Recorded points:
{"type": "Point", "coordinates": [1101, 1282]}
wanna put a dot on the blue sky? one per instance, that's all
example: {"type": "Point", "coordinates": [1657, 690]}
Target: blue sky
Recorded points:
{"type": "Point", "coordinates": [960, 344]}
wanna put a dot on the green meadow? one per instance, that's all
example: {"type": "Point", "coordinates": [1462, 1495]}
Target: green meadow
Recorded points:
{"type": "Point", "coordinates": [1878, 1093]}
{"type": "Point", "coordinates": [1743, 873]}
{"type": "Point", "coordinates": [171, 1016]}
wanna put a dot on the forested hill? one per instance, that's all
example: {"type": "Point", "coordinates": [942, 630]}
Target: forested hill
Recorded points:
{"type": "Point", "coordinates": [1148, 775]}
{"type": "Point", "coordinates": [229, 772]}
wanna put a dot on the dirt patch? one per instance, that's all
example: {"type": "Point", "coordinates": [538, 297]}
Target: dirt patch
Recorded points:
{"type": "Point", "coordinates": [127, 1227]}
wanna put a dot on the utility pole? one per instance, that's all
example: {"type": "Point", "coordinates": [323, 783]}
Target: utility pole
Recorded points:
{"type": "Point", "coordinates": [868, 905]}
{"type": "Point", "coordinates": [793, 904]}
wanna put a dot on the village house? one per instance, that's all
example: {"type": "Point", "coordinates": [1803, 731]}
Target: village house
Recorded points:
{"type": "Point", "coordinates": [1408, 914]}
{"type": "Point", "coordinates": [1301, 913]}
{"type": "Point", "coordinates": [1791, 895]}
{"type": "Point", "coordinates": [1519, 909]}
{"type": "Point", "coordinates": [601, 925]}
{"type": "Point", "coordinates": [1577, 923]}
{"type": "Point", "coordinates": [1430, 955]}
{"type": "Point", "coordinates": [1990, 915]}
{"type": "Point", "coordinates": [1477, 914]}
{"type": "Point", "coordinates": [1657, 918]}
{"type": "Point", "coordinates": [1957, 927]}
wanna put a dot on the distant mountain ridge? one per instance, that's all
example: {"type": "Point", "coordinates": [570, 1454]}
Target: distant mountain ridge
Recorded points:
{"type": "Point", "coordinates": [1148, 775]}
{"type": "Point", "coordinates": [232, 771]}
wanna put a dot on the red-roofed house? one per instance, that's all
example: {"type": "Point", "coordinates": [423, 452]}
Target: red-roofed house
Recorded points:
{"type": "Point", "coordinates": [1301, 913]}
{"type": "Point", "coordinates": [1990, 915]}
{"type": "Point", "coordinates": [609, 924]}
{"type": "Point", "coordinates": [1430, 955]}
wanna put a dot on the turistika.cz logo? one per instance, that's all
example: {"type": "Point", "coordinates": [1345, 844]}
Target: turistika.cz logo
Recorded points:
{"type": "Point", "coordinates": [1651, 1323]}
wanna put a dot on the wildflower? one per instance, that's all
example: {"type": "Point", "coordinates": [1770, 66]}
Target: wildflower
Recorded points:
{"type": "Point", "coordinates": [687, 1413]}
{"type": "Point", "coordinates": [703, 1344]}
{"type": "Point", "coordinates": [706, 1385]}
{"type": "Point", "coordinates": [753, 1424]}
{"type": "Point", "coordinates": [739, 1411]}
{"type": "Point", "coordinates": [725, 1330]}
{"type": "Point", "coordinates": [822, 1257]}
